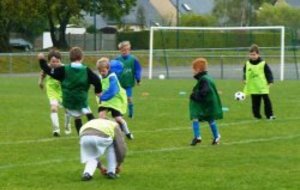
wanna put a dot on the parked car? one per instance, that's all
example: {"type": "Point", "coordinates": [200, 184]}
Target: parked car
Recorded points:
{"type": "Point", "coordinates": [21, 44]}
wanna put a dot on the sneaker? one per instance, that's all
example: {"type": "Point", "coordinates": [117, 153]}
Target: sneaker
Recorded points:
{"type": "Point", "coordinates": [272, 117]}
{"type": "Point", "coordinates": [111, 175]}
{"type": "Point", "coordinates": [68, 130]}
{"type": "Point", "coordinates": [216, 141]}
{"type": "Point", "coordinates": [196, 141]}
{"type": "Point", "coordinates": [86, 177]}
{"type": "Point", "coordinates": [56, 134]}
{"type": "Point", "coordinates": [129, 136]}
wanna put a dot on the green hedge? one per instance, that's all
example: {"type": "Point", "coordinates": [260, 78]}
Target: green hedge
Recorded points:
{"type": "Point", "coordinates": [202, 39]}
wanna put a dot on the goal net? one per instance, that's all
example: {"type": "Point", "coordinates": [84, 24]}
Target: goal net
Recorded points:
{"type": "Point", "coordinates": [172, 49]}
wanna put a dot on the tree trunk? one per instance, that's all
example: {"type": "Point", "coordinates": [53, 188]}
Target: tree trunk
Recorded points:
{"type": "Point", "coordinates": [62, 41]}
{"type": "Point", "coordinates": [4, 41]}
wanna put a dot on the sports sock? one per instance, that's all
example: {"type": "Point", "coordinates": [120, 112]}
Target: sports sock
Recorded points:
{"type": "Point", "coordinates": [55, 122]}
{"type": "Point", "coordinates": [123, 126]}
{"type": "Point", "coordinates": [111, 159]}
{"type": "Point", "coordinates": [67, 121]}
{"type": "Point", "coordinates": [196, 129]}
{"type": "Point", "coordinates": [90, 116]}
{"type": "Point", "coordinates": [214, 129]}
{"type": "Point", "coordinates": [78, 124]}
{"type": "Point", "coordinates": [90, 166]}
{"type": "Point", "coordinates": [130, 110]}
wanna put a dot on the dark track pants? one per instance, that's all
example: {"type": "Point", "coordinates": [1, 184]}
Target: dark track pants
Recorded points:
{"type": "Point", "coordinates": [256, 101]}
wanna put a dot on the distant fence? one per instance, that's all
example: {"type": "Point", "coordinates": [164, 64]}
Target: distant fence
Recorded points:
{"type": "Point", "coordinates": [88, 42]}
{"type": "Point", "coordinates": [223, 63]}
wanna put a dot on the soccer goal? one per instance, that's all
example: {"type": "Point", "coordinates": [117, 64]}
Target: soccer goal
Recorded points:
{"type": "Point", "coordinates": [172, 49]}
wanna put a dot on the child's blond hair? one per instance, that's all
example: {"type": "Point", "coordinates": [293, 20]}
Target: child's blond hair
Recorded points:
{"type": "Point", "coordinates": [200, 64]}
{"type": "Point", "coordinates": [123, 44]}
{"type": "Point", "coordinates": [102, 63]}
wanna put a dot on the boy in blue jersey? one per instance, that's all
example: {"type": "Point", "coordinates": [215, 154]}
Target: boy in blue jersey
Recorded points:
{"type": "Point", "coordinates": [132, 72]}
{"type": "Point", "coordinates": [113, 97]}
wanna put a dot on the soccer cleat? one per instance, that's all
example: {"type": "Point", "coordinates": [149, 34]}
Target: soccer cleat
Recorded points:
{"type": "Point", "coordinates": [216, 141]}
{"type": "Point", "coordinates": [68, 130]}
{"type": "Point", "coordinates": [86, 177]}
{"type": "Point", "coordinates": [56, 134]}
{"type": "Point", "coordinates": [129, 136]}
{"type": "Point", "coordinates": [196, 141]}
{"type": "Point", "coordinates": [272, 117]}
{"type": "Point", "coordinates": [111, 175]}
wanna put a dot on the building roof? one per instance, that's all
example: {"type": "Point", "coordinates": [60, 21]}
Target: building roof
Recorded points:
{"type": "Point", "coordinates": [293, 2]}
{"type": "Point", "coordinates": [194, 6]}
{"type": "Point", "coordinates": [156, 12]}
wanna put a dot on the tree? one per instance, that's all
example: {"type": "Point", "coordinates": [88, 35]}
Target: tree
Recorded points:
{"type": "Point", "coordinates": [281, 14]}
{"type": "Point", "coordinates": [59, 13]}
{"type": "Point", "coordinates": [197, 20]}
{"type": "Point", "coordinates": [15, 14]}
{"type": "Point", "coordinates": [237, 12]}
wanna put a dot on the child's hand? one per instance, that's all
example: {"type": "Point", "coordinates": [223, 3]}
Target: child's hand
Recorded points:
{"type": "Point", "coordinates": [41, 84]}
{"type": "Point", "coordinates": [41, 56]}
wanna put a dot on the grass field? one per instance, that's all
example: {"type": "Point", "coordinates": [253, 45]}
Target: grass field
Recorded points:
{"type": "Point", "coordinates": [252, 155]}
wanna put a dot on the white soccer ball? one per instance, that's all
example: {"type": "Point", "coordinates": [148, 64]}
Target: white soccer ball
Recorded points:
{"type": "Point", "coordinates": [239, 96]}
{"type": "Point", "coordinates": [161, 76]}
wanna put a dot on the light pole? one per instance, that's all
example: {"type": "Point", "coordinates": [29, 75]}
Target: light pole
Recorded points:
{"type": "Point", "coordinates": [177, 23]}
{"type": "Point", "coordinates": [95, 27]}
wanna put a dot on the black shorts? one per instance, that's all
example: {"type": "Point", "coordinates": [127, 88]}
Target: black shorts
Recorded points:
{"type": "Point", "coordinates": [114, 113]}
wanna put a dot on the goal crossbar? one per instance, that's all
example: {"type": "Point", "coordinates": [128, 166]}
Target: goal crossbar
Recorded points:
{"type": "Point", "coordinates": [282, 40]}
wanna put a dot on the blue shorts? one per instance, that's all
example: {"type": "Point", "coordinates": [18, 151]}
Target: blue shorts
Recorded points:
{"type": "Point", "coordinates": [129, 92]}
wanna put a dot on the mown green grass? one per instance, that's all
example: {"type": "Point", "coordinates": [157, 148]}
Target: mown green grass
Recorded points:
{"type": "Point", "coordinates": [252, 154]}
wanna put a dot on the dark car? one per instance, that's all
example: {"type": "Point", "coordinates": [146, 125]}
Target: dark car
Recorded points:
{"type": "Point", "coordinates": [21, 44]}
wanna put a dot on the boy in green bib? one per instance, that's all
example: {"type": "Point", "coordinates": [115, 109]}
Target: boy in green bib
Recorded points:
{"type": "Point", "coordinates": [113, 97]}
{"type": "Point", "coordinates": [205, 103]}
{"type": "Point", "coordinates": [75, 79]}
{"type": "Point", "coordinates": [131, 74]}
{"type": "Point", "coordinates": [258, 77]}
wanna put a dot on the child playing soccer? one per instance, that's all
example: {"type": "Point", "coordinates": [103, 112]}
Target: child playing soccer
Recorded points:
{"type": "Point", "coordinates": [97, 137]}
{"type": "Point", "coordinates": [113, 96]}
{"type": "Point", "coordinates": [53, 89]}
{"type": "Point", "coordinates": [205, 103]}
{"type": "Point", "coordinates": [132, 72]}
{"type": "Point", "coordinates": [75, 80]}
{"type": "Point", "coordinates": [257, 78]}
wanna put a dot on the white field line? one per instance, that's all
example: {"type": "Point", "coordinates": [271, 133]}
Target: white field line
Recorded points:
{"type": "Point", "coordinates": [244, 122]}
{"type": "Point", "coordinates": [159, 150]}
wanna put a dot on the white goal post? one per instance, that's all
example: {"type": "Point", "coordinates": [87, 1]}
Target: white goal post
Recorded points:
{"type": "Point", "coordinates": [280, 28]}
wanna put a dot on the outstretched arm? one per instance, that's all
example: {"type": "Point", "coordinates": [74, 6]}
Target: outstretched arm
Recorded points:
{"type": "Point", "coordinates": [57, 73]}
{"type": "Point", "coordinates": [95, 81]}
{"type": "Point", "coordinates": [41, 79]}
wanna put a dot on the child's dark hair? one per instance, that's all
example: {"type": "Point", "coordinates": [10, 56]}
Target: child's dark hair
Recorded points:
{"type": "Point", "coordinates": [54, 53]}
{"type": "Point", "coordinates": [254, 48]}
{"type": "Point", "coordinates": [76, 54]}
